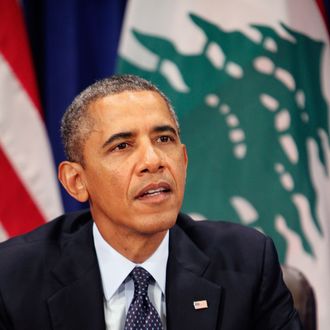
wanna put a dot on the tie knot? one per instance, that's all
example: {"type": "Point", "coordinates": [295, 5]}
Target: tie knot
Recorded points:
{"type": "Point", "coordinates": [141, 279]}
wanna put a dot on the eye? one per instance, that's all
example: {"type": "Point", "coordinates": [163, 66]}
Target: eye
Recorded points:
{"type": "Point", "coordinates": [164, 139]}
{"type": "Point", "coordinates": [121, 146]}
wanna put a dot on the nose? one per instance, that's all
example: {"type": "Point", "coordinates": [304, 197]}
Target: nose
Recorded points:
{"type": "Point", "coordinates": [151, 160]}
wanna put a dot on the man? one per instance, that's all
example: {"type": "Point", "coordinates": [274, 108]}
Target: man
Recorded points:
{"type": "Point", "coordinates": [133, 261]}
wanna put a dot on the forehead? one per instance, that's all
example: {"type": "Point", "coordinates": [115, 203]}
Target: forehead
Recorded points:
{"type": "Point", "coordinates": [130, 109]}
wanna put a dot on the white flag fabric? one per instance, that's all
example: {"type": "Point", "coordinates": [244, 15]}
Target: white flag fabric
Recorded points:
{"type": "Point", "coordinates": [250, 81]}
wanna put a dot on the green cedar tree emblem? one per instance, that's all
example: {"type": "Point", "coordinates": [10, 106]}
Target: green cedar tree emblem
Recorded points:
{"type": "Point", "coordinates": [246, 110]}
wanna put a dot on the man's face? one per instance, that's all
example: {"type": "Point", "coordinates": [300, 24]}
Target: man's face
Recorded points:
{"type": "Point", "coordinates": [135, 164]}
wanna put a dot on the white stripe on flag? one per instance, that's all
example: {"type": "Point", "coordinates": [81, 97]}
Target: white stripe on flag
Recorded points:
{"type": "Point", "coordinates": [301, 15]}
{"type": "Point", "coordinates": [3, 234]}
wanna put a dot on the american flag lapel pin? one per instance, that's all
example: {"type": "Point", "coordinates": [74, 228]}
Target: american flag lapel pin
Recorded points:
{"type": "Point", "coordinates": [200, 304]}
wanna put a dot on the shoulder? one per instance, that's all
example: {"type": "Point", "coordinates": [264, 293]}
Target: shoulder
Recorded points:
{"type": "Point", "coordinates": [220, 232]}
{"type": "Point", "coordinates": [229, 242]}
{"type": "Point", "coordinates": [42, 242]}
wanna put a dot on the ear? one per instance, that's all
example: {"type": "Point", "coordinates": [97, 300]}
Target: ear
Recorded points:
{"type": "Point", "coordinates": [71, 176]}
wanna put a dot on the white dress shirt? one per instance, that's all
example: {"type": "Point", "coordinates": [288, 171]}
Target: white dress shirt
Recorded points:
{"type": "Point", "coordinates": [119, 290]}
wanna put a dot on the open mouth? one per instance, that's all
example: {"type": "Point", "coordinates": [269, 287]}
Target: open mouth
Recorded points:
{"type": "Point", "coordinates": [154, 190]}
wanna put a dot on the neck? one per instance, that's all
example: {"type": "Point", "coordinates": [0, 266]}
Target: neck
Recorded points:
{"type": "Point", "coordinates": [134, 246]}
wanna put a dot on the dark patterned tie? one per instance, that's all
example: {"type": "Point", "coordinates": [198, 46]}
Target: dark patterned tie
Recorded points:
{"type": "Point", "coordinates": [141, 313]}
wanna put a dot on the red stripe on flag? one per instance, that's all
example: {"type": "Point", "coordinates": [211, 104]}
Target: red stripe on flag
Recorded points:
{"type": "Point", "coordinates": [18, 213]}
{"type": "Point", "coordinates": [14, 47]}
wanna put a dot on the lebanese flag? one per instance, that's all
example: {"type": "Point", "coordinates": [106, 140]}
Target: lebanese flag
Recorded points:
{"type": "Point", "coordinates": [28, 186]}
{"type": "Point", "coordinates": [250, 82]}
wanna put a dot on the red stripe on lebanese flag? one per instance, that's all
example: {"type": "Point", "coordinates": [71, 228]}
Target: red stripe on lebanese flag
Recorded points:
{"type": "Point", "coordinates": [18, 212]}
{"type": "Point", "coordinates": [14, 47]}
{"type": "Point", "coordinates": [26, 164]}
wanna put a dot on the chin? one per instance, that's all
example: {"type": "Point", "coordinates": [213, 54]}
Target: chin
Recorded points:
{"type": "Point", "coordinates": [155, 223]}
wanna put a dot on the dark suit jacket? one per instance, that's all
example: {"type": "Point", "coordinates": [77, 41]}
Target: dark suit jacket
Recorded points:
{"type": "Point", "coordinates": [49, 278]}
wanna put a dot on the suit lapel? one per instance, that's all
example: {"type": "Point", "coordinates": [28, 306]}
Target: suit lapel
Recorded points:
{"type": "Point", "coordinates": [79, 302]}
{"type": "Point", "coordinates": [185, 284]}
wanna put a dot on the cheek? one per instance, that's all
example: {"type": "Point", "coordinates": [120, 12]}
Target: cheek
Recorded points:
{"type": "Point", "coordinates": [105, 182]}
{"type": "Point", "coordinates": [179, 166]}
{"type": "Point", "coordinates": [115, 182]}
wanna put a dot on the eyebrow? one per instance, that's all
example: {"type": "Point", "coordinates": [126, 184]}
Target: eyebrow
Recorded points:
{"type": "Point", "coordinates": [127, 135]}
{"type": "Point", "coordinates": [165, 128]}
{"type": "Point", "coordinates": [117, 136]}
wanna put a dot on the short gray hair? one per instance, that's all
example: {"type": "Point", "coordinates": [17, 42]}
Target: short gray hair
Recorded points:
{"type": "Point", "coordinates": [76, 123]}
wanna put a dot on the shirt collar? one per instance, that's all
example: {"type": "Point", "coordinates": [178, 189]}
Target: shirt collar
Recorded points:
{"type": "Point", "coordinates": [114, 267]}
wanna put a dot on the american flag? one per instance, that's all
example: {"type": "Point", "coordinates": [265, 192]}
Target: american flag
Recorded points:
{"type": "Point", "coordinates": [28, 186]}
